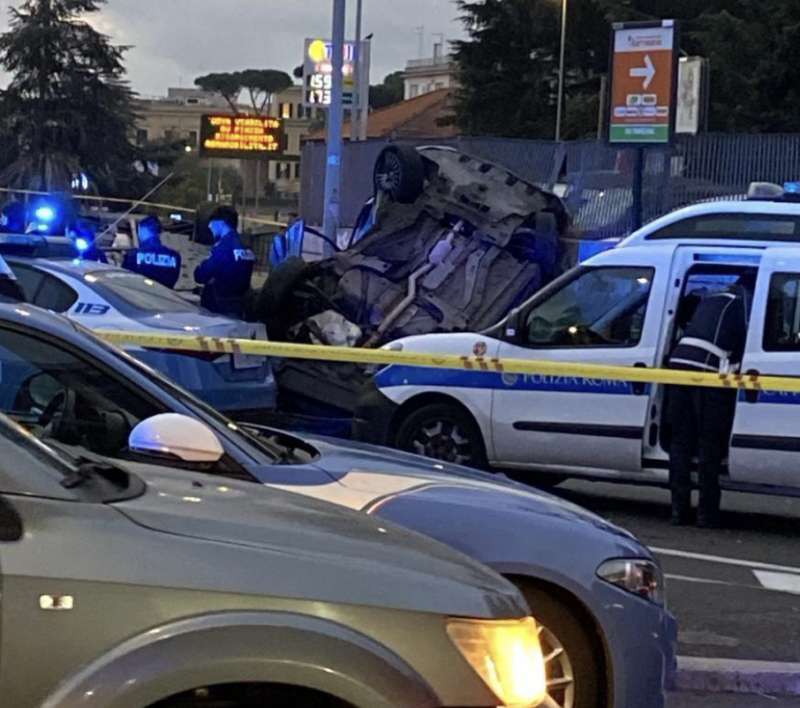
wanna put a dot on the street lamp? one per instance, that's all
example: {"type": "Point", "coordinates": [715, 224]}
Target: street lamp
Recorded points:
{"type": "Point", "coordinates": [560, 107]}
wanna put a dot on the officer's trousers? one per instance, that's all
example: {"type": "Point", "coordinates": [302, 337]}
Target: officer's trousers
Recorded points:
{"type": "Point", "coordinates": [701, 420]}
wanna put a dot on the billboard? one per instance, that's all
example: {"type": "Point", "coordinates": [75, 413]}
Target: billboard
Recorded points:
{"type": "Point", "coordinates": [240, 137]}
{"type": "Point", "coordinates": [318, 73]}
{"type": "Point", "coordinates": [643, 83]}
{"type": "Point", "coordinates": [691, 90]}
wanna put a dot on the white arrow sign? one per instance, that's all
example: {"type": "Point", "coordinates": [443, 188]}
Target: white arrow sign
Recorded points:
{"type": "Point", "coordinates": [646, 72]}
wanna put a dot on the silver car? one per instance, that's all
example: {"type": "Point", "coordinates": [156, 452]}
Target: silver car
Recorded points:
{"type": "Point", "coordinates": [126, 587]}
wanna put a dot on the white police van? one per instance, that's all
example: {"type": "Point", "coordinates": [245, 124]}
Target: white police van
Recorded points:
{"type": "Point", "coordinates": [624, 307]}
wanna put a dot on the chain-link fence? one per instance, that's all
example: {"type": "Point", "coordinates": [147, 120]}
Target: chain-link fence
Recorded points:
{"type": "Point", "coordinates": [595, 178]}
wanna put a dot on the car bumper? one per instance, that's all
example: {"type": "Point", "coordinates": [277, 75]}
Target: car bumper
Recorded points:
{"type": "Point", "coordinates": [641, 638]}
{"type": "Point", "coordinates": [373, 416]}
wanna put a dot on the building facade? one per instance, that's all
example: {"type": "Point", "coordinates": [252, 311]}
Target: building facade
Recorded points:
{"type": "Point", "coordinates": [434, 73]}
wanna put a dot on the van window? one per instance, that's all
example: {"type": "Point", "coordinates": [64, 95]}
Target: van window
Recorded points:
{"type": "Point", "coordinates": [598, 307]}
{"type": "Point", "coordinates": [782, 324]}
{"type": "Point", "coordinates": [749, 227]}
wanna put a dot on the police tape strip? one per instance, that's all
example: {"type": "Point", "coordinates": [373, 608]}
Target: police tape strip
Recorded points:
{"type": "Point", "coordinates": [284, 350]}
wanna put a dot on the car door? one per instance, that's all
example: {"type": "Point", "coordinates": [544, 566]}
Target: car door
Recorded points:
{"type": "Point", "coordinates": [765, 446]}
{"type": "Point", "coordinates": [610, 313]}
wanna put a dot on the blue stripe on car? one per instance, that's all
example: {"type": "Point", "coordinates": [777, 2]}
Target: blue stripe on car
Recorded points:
{"type": "Point", "coordinates": [418, 376]}
{"type": "Point", "coordinates": [788, 398]}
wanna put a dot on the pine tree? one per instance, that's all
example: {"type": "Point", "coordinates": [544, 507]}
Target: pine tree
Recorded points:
{"type": "Point", "coordinates": [508, 67]}
{"type": "Point", "coordinates": [67, 108]}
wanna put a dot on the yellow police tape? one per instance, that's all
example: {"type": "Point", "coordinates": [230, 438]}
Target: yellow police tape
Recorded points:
{"type": "Point", "coordinates": [283, 350]}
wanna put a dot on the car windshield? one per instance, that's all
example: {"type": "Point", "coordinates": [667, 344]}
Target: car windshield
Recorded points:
{"type": "Point", "coordinates": [17, 443]}
{"type": "Point", "coordinates": [126, 290]}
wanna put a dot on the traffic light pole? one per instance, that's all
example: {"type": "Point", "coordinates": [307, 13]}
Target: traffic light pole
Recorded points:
{"type": "Point", "coordinates": [335, 116]}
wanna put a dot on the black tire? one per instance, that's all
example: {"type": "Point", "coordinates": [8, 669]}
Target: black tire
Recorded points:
{"type": "Point", "coordinates": [400, 173]}
{"type": "Point", "coordinates": [270, 304]}
{"type": "Point", "coordinates": [414, 434]}
{"type": "Point", "coordinates": [562, 626]}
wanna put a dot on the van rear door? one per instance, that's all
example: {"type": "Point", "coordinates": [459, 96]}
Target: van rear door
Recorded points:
{"type": "Point", "coordinates": [765, 447]}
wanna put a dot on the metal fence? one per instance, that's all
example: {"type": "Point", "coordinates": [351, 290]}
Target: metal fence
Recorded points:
{"type": "Point", "coordinates": [595, 178]}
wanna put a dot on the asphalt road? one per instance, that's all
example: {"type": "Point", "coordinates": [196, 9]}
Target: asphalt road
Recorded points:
{"type": "Point", "coordinates": [736, 590]}
{"type": "Point", "coordinates": [729, 700]}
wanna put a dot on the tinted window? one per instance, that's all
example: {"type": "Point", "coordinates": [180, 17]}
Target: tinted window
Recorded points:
{"type": "Point", "coordinates": [29, 280]}
{"type": "Point", "coordinates": [598, 307]}
{"type": "Point", "coordinates": [59, 395]}
{"type": "Point", "coordinates": [782, 325]}
{"type": "Point", "coordinates": [755, 227]}
{"type": "Point", "coordinates": [43, 289]}
{"type": "Point", "coordinates": [55, 295]}
{"type": "Point", "coordinates": [121, 289]}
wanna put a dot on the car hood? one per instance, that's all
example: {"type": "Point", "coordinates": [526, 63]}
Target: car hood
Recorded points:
{"type": "Point", "coordinates": [313, 550]}
{"type": "Point", "coordinates": [374, 476]}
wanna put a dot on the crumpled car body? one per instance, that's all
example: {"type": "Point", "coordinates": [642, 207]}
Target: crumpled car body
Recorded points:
{"type": "Point", "coordinates": [475, 241]}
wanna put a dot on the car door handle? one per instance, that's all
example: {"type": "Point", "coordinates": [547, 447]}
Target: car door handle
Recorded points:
{"type": "Point", "coordinates": [751, 396]}
{"type": "Point", "coordinates": [639, 387]}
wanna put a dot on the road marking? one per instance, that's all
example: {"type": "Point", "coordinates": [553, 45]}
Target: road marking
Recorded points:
{"type": "Point", "coordinates": [706, 581]}
{"type": "Point", "coordinates": [783, 582]}
{"type": "Point", "coordinates": [721, 560]}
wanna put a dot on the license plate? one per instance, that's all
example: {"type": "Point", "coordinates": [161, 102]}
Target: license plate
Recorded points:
{"type": "Point", "coordinates": [247, 361]}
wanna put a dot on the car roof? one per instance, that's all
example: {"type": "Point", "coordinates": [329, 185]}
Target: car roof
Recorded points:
{"type": "Point", "coordinates": [65, 266]}
{"type": "Point", "coordinates": [754, 207]}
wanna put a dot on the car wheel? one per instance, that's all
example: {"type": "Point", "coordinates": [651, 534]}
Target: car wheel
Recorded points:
{"type": "Point", "coordinates": [574, 673]}
{"type": "Point", "coordinates": [271, 304]}
{"type": "Point", "coordinates": [443, 432]}
{"type": "Point", "coordinates": [399, 172]}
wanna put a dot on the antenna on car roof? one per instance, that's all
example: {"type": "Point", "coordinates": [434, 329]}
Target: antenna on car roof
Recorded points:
{"type": "Point", "coordinates": [136, 204]}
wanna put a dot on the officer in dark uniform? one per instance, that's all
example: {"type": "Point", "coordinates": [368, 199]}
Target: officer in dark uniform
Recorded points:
{"type": "Point", "coordinates": [83, 236]}
{"type": "Point", "coordinates": [702, 418]}
{"type": "Point", "coordinates": [152, 259]}
{"type": "Point", "coordinates": [226, 273]}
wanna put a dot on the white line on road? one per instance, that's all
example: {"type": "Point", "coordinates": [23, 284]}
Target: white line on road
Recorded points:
{"type": "Point", "coordinates": [706, 581]}
{"type": "Point", "coordinates": [782, 582]}
{"type": "Point", "coordinates": [721, 560]}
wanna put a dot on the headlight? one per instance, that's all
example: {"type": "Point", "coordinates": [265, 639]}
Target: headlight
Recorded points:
{"type": "Point", "coordinates": [638, 576]}
{"type": "Point", "coordinates": [506, 655]}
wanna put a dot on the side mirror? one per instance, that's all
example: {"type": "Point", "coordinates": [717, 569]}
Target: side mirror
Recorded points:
{"type": "Point", "coordinates": [171, 435]}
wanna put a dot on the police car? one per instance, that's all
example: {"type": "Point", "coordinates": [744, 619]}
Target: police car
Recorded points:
{"type": "Point", "coordinates": [625, 306]}
{"type": "Point", "coordinates": [101, 296]}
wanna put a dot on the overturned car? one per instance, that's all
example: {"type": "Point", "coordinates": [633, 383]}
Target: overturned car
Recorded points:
{"type": "Point", "coordinates": [448, 242]}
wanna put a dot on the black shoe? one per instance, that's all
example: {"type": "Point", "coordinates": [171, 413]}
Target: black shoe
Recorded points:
{"type": "Point", "coordinates": [681, 517]}
{"type": "Point", "coordinates": [707, 520]}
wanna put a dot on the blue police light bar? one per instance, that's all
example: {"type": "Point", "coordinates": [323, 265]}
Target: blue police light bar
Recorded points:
{"type": "Point", "coordinates": [791, 187]}
{"type": "Point", "coordinates": [45, 213]}
{"type": "Point", "coordinates": [81, 244]}
{"type": "Point", "coordinates": [587, 249]}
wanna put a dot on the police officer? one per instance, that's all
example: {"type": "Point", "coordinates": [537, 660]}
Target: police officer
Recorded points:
{"type": "Point", "coordinates": [226, 273]}
{"type": "Point", "coordinates": [83, 236]}
{"type": "Point", "coordinates": [152, 259]}
{"type": "Point", "coordinates": [702, 418]}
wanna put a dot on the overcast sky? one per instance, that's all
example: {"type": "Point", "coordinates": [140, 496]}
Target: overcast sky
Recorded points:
{"type": "Point", "coordinates": [173, 41]}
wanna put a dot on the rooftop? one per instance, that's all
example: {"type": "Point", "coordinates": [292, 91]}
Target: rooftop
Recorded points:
{"type": "Point", "coordinates": [418, 117]}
